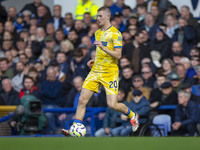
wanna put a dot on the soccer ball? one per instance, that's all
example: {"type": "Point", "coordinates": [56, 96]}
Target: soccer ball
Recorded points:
{"type": "Point", "coordinates": [77, 130]}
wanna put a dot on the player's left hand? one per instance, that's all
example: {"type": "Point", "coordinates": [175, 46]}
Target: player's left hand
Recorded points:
{"type": "Point", "coordinates": [98, 43]}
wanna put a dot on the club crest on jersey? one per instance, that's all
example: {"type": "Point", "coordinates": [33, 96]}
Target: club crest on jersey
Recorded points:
{"type": "Point", "coordinates": [104, 43]}
{"type": "Point", "coordinates": [119, 38]}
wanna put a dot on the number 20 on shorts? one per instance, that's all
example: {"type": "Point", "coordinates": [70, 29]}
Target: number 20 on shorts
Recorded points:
{"type": "Point", "coordinates": [113, 84]}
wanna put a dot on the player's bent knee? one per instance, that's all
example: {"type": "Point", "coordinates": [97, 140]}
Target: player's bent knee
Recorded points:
{"type": "Point", "coordinates": [113, 106]}
{"type": "Point", "coordinates": [82, 101]}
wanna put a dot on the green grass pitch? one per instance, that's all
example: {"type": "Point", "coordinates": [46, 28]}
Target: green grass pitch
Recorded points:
{"type": "Point", "coordinates": [91, 143]}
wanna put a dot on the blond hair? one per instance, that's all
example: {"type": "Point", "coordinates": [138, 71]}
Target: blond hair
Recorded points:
{"type": "Point", "coordinates": [69, 45]}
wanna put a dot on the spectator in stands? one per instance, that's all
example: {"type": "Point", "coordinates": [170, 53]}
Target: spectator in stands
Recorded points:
{"type": "Point", "coordinates": [185, 13]}
{"type": "Point", "coordinates": [150, 26]}
{"type": "Point", "coordinates": [43, 16]}
{"type": "Point", "coordinates": [87, 20]}
{"type": "Point", "coordinates": [93, 28]}
{"type": "Point", "coordinates": [33, 72]}
{"type": "Point", "coordinates": [51, 97]}
{"type": "Point", "coordinates": [176, 58]}
{"type": "Point", "coordinates": [126, 37]}
{"type": "Point", "coordinates": [9, 56]}
{"type": "Point", "coordinates": [190, 72]}
{"type": "Point", "coordinates": [125, 81]}
{"type": "Point", "coordinates": [181, 71]}
{"type": "Point", "coordinates": [7, 72]}
{"type": "Point", "coordinates": [84, 49]}
{"type": "Point", "coordinates": [61, 60]}
{"type": "Point", "coordinates": [156, 14]}
{"type": "Point", "coordinates": [108, 3]}
{"type": "Point", "coordinates": [9, 95]}
{"type": "Point", "coordinates": [50, 29]}
{"type": "Point", "coordinates": [47, 56]}
{"type": "Point", "coordinates": [148, 76]}
{"type": "Point", "coordinates": [32, 31]}
{"type": "Point", "coordinates": [87, 41]}
{"type": "Point", "coordinates": [17, 80]}
{"type": "Point", "coordinates": [59, 74]}
{"type": "Point", "coordinates": [138, 83]}
{"type": "Point", "coordinates": [132, 20]}
{"type": "Point", "coordinates": [124, 61]}
{"type": "Point", "coordinates": [126, 12]}
{"type": "Point", "coordinates": [59, 36]}
{"type": "Point", "coordinates": [51, 44]}
{"type": "Point", "coordinates": [46, 91]}
{"type": "Point", "coordinates": [142, 12]}
{"type": "Point", "coordinates": [132, 30]}
{"type": "Point", "coordinates": [147, 62]}
{"type": "Point", "coordinates": [168, 67]}
{"type": "Point", "coordinates": [19, 24]}
{"type": "Point", "coordinates": [23, 58]}
{"type": "Point", "coordinates": [29, 87]}
{"type": "Point", "coordinates": [161, 43]}
{"type": "Point", "coordinates": [177, 48]}
{"type": "Point", "coordinates": [14, 54]}
{"type": "Point", "coordinates": [190, 88]}
{"type": "Point", "coordinates": [86, 6]}
{"type": "Point", "coordinates": [117, 7]}
{"type": "Point", "coordinates": [33, 20]}
{"type": "Point", "coordinates": [73, 37]}
{"type": "Point", "coordinates": [6, 45]}
{"type": "Point", "coordinates": [26, 17]}
{"type": "Point", "coordinates": [136, 51]}
{"type": "Point", "coordinates": [37, 43]}
{"type": "Point", "coordinates": [172, 25]}
{"type": "Point", "coordinates": [7, 35]}
{"type": "Point", "coordinates": [33, 7]}
{"type": "Point", "coordinates": [176, 82]}
{"type": "Point", "coordinates": [57, 19]}
{"type": "Point", "coordinates": [12, 13]}
{"type": "Point", "coordinates": [185, 34]}
{"type": "Point", "coordinates": [195, 62]}
{"type": "Point", "coordinates": [138, 104]}
{"type": "Point", "coordinates": [157, 92]}
{"type": "Point", "coordinates": [119, 19]}
{"type": "Point", "coordinates": [40, 67]}
{"type": "Point", "coordinates": [168, 97]}
{"type": "Point", "coordinates": [79, 27]}
{"type": "Point", "coordinates": [111, 120]}
{"type": "Point", "coordinates": [79, 64]}
{"type": "Point", "coordinates": [20, 45]}
{"type": "Point", "coordinates": [71, 99]}
{"type": "Point", "coordinates": [187, 116]}
{"type": "Point", "coordinates": [68, 48]}
{"type": "Point", "coordinates": [194, 52]}
{"type": "Point", "coordinates": [10, 27]}
{"type": "Point", "coordinates": [68, 23]}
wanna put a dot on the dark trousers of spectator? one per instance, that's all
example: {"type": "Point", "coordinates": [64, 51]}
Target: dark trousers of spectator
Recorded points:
{"type": "Point", "coordinates": [188, 130]}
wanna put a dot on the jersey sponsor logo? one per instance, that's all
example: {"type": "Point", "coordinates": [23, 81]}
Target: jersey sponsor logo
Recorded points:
{"type": "Point", "coordinates": [104, 43]}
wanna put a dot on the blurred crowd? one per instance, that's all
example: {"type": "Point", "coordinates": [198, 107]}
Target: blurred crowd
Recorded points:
{"type": "Point", "coordinates": [46, 55]}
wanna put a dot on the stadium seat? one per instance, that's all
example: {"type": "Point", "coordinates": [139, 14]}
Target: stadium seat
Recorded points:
{"type": "Point", "coordinates": [164, 123]}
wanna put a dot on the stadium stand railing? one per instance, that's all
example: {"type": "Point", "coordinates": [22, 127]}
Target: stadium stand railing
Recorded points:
{"type": "Point", "coordinates": [6, 113]}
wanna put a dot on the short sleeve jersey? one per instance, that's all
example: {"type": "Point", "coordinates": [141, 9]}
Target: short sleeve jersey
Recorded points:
{"type": "Point", "coordinates": [110, 38]}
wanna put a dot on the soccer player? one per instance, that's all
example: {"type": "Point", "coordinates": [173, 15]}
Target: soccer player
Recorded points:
{"type": "Point", "coordinates": [105, 71]}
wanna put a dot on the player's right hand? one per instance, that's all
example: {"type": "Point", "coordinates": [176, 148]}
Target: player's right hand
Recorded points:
{"type": "Point", "coordinates": [90, 63]}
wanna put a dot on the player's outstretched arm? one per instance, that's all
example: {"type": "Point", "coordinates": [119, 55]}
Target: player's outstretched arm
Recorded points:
{"type": "Point", "coordinates": [116, 53]}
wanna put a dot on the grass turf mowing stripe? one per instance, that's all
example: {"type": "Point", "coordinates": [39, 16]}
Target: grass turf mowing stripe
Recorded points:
{"type": "Point", "coordinates": [113, 143]}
